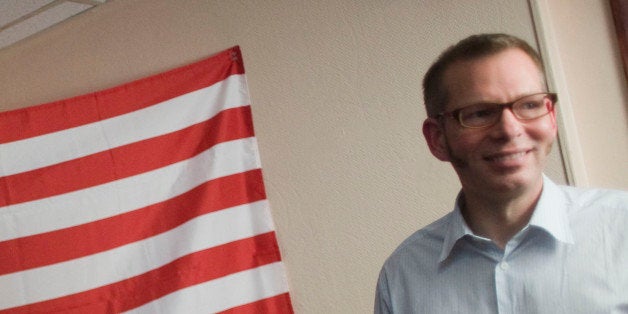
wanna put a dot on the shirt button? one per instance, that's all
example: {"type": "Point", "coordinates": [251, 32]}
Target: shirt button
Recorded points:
{"type": "Point", "coordinates": [504, 265]}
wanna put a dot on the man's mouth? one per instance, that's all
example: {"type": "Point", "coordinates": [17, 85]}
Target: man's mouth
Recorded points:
{"type": "Point", "coordinates": [508, 157]}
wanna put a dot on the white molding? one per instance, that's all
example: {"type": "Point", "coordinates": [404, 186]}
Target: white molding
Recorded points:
{"type": "Point", "coordinates": [568, 140]}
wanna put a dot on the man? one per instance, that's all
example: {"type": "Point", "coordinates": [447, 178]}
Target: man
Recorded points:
{"type": "Point", "coordinates": [515, 242]}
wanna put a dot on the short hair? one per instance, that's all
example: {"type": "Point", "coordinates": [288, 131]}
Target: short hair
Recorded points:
{"type": "Point", "coordinates": [435, 93]}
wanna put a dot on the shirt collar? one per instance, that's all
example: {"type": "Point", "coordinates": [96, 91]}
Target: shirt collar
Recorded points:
{"type": "Point", "coordinates": [456, 229]}
{"type": "Point", "coordinates": [550, 215]}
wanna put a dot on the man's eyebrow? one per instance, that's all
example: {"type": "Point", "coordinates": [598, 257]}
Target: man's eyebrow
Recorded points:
{"type": "Point", "coordinates": [484, 102]}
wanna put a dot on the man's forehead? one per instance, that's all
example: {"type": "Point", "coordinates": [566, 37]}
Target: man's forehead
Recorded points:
{"type": "Point", "coordinates": [512, 70]}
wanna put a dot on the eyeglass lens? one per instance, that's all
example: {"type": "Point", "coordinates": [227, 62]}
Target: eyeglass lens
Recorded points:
{"type": "Point", "coordinates": [485, 114]}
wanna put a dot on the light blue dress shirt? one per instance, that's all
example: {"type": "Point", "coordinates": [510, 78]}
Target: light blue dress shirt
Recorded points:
{"type": "Point", "coordinates": [571, 258]}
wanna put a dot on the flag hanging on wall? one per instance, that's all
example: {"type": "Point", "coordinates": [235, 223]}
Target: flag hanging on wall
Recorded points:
{"type": "Point", "coordinates": [144, 198]}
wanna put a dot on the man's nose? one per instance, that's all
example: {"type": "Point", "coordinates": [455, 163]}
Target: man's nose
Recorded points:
{"type": "Point", "coordinates": [508, 124]}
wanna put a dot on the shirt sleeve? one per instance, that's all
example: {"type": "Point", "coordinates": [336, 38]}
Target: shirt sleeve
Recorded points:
{"type": "Point", "coordinates": [382, 295]}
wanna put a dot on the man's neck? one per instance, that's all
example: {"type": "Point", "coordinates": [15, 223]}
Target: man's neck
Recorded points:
{"type": "Point", "coordinates": [499, 217]}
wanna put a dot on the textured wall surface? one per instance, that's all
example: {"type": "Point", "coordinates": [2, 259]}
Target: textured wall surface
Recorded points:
{"type": "Point", "coordinates": [596, 84]}
{"type": "Point", "coordinates": [337, 106]}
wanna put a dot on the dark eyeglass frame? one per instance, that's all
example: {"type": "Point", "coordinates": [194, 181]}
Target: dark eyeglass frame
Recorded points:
{"type": "Point", "coordinates": [455, 114]}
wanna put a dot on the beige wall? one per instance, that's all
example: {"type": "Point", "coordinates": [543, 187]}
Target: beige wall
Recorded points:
{"type": "Point", "coordinates": [336, 104]}
{"type": "Point", "coordinates": [591, 71]}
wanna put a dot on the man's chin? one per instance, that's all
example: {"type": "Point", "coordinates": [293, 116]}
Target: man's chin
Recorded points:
{"type": "Point", "coordinates": [498, 181]}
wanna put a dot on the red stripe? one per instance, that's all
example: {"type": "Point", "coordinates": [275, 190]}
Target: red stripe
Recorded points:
{"type": "Point", "coordinates": [128, 160]}
{"type": "Point", "coordinates": [70, 243]}
{"type": "Point", "coordinates": [33, 121]}
{"type": "Point", "coordinates": [277, 304]}
{"type": "Point", "coordinates": [184, 272]}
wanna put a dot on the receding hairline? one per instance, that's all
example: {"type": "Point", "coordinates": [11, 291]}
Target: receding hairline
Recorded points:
{"type": "Point", "coordinates": [472, 48]}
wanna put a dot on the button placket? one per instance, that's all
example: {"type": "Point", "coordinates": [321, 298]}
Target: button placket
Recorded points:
{"type": "Point", "coordinates": [502, 286]}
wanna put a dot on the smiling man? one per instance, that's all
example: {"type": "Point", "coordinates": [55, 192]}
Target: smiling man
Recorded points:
{"type": "Point", "coordinates": [515, 242]}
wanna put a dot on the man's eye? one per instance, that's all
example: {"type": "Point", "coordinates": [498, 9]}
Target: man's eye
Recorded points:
{"type": "Point", "coordinates": [482, 113]}
{"type": "Point", "coordinates": [529, 105]}
{"type": "Point", "coordinates": [479, 113]}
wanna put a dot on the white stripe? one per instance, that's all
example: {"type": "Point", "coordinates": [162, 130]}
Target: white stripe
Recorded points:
{"type": "Point", "coordinates": [127, 194]}
{"type": "Point", "coordinates": [223, 293]}
{"type": "Point", "coordinates": [111, 266]}
{"type": "Point", "coordinates": [168, 116]}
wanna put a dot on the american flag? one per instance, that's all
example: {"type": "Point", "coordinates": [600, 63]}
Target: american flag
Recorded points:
{"type": "Point", "coordinates": [143, 198]}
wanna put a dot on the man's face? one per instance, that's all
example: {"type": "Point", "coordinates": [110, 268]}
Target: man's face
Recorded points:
{"type": "Point", "coordinates": [506, 157]}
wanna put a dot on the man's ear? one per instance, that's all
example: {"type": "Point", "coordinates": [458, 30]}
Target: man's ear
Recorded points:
{"type": "Point", "coordinates": [435, 138]}
{"type": "Point", "coordinates": [553, 121]}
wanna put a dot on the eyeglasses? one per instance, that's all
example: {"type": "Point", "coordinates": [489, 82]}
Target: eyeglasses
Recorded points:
{"type": "Point", "coordinates": [483, 115]}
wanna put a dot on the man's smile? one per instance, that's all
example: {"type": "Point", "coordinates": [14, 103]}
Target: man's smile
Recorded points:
{"type": "Point", "coordinates": [511, 158]}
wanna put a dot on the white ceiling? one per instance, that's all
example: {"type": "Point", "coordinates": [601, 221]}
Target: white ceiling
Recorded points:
{"type": "Point", "coordinates": [22, 18]}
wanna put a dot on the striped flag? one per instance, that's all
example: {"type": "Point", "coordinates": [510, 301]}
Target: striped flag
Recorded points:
{"type": "Point", "coordinates": [144, 198]}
